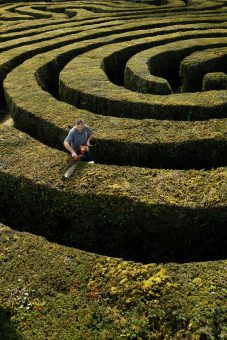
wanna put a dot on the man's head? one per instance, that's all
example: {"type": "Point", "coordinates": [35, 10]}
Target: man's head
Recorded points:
{"type": "Point", "coordinates": [79, 124]}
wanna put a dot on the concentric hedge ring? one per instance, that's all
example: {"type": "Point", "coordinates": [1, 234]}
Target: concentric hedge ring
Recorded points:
{"type": "Point", "coordinates": [90, 87]}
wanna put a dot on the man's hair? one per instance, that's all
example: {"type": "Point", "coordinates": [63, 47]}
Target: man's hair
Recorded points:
{"type": "Point", "coordinates": [79, 121]}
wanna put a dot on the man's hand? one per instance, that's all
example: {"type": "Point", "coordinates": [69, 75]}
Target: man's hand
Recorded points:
{"type": "Point", "coordinates": [88, 143]}
{"type": "Point", "coordinates": [74, 154]}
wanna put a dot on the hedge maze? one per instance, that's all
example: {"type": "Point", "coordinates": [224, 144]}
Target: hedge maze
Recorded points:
{"type": "Point", "coordinates": [150, 79]}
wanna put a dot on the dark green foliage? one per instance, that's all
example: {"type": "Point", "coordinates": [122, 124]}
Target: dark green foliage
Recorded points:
{"type": "Point", "coordinates": [7, 329]}
{"type": "Point", "coordinates": [215, 81]}
{"type": "Point", "coordinates": [194, 68]}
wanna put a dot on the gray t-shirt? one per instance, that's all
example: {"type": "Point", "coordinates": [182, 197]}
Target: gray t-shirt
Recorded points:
{"type": "Point", "coordinates": [76, 138]}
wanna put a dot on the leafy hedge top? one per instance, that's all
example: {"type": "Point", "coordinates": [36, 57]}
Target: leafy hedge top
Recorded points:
{"type": "Point", "coordinates": [45, 107]}
{"type": "Point", "coordinates": [53, 291]}
{"type": "Point", "coordinates": [23, 156]}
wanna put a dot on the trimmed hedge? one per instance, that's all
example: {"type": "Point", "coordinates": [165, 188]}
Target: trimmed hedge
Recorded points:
{"type": "Point", "coordinates": [40, 37]}
{"type": "Point", "coordinates": [16, 56]}
{"type": "Point", "coordinates": [37, 13]}
{"type": "Point", "coordinates": [145, 71]}
{"type": "Point", "coordinates": [215, 81]}
{"type": "Point", "coordinates": [50, 291]}
{"type": "Point", "coordinates": [92, 90]}
{"type": "Point", "coordinates": [21, 27]}
{"type": "Point", "coordinates": [194, 67]}
{"type": "Point", "coordinates": [161, 144]}
{"type": "Point", "coordinates": [13, 57]}
{"type": "Point", "coordinates": [8, 13]}
{"type": "Point", "coordinates": [144, 82]}
{"type": "Point", "coordinates": [136, 213]}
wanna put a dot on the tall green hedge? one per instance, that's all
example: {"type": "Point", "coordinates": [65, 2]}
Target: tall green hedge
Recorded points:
{"type": "Point", "coordinates": [137, 213]}
{"type": "Point", "coordinates": [152, 143]}
{"type": "Point", "coordinates": [50, 291]}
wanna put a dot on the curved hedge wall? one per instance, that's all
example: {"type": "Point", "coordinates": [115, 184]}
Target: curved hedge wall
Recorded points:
{"type": "Point", "coordinates": [142, 214]}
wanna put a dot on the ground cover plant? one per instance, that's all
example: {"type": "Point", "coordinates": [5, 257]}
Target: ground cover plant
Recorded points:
{"type": "Point", "coordinates": [145, 225]}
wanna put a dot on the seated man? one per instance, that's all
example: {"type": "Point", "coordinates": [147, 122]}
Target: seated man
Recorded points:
{"type": "Point", "coordinates": [78, 136]}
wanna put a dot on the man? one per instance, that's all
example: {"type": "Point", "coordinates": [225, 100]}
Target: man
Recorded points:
{"type": "Point", "coordinates": [79, 135]}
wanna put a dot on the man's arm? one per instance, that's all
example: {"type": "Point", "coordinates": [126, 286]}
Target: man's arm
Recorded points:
{"type": "Point", "coordinates": [68, 147]}
{"type": "Point", "coordinates": [89, 138]}
{"type": "Point", "coordinates": [67, 142]}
